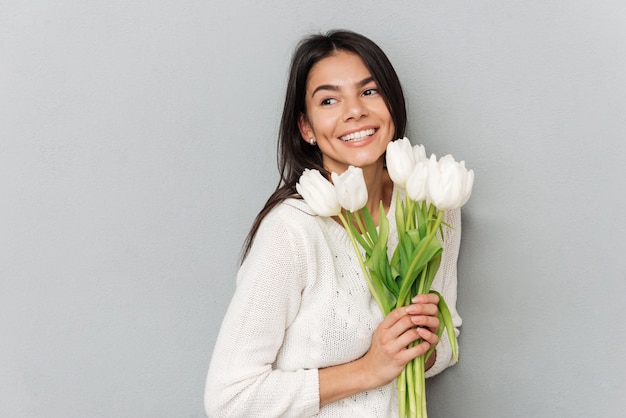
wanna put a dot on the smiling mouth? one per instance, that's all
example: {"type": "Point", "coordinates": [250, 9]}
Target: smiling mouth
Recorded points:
{"type": "Point", "coordinates": [357, 136]}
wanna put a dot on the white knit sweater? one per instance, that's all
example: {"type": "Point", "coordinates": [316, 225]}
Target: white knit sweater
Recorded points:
{"type": "Point", "coordinates": [302, 304]}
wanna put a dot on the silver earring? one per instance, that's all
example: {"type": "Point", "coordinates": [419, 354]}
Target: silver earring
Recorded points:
{"type": "Point", "coordinates": [312, 141]}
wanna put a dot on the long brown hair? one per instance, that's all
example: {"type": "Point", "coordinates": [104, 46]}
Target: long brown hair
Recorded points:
{"type": "Point", "coordinates": [294, 154]}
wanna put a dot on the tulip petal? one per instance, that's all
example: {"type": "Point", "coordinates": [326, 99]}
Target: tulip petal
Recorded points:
{"type": "Point", "coordinates": [400, 160]}
{"type": "Point", "coordinates": [318, 193]}
{"type": "Point", "coordinates": [350, 188]}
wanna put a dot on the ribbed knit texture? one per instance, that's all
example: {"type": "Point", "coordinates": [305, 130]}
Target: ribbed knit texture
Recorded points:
{"type": "Point", "coordinates": [302, 304]}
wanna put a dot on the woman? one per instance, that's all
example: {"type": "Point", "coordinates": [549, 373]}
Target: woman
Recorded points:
{"type": "Point", "coordinates": [302, 335]}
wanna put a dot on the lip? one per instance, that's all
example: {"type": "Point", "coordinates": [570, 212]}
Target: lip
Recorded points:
{"type": "Point", "coordinates": [360, 129]}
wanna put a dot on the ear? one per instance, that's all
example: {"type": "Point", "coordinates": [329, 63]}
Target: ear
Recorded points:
{"type": "Point", "coordinates": [305, 128]}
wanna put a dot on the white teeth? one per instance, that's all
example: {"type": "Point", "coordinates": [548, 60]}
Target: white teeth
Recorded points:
{"type": "Point", "coordinates": [356, 136]}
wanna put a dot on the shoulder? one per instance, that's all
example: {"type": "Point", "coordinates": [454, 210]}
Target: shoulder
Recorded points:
{"type": "Point", "coordinates": [291, 212]}
{"type": "Point", "coordinates": [296, 206]}
{"type": "Point", "coordinates": [283, 245]}
{"type": "Point", "coordinates": [290, 220]}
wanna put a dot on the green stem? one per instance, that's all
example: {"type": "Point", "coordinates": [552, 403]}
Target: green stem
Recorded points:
{"type": "Point", "coordinates": [411, 389]}
{"type": "Point", "coordinates": [410, 219]}
{"type": "Point", "coordinates": [420, 385]}
{"type": "Point", "coordinates": [402, 394]}
{"type": "Point", "coordinates": [422, 281]}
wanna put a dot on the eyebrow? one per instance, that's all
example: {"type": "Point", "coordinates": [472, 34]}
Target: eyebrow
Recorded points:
{"type": "Point", "coordinates": [332, 87]}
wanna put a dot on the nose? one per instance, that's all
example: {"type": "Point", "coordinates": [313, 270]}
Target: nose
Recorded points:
{"type": "Point", "coordinates": [354, 109]}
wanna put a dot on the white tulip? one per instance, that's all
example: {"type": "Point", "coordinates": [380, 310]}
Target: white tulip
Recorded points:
{"type": "Point", "coordinates": [319, 193]}
{"type": "Point", "coordinates": [419, 153]}
{"type": "Point", "coordinates": [351, 189]}
{"type": "Point", "coordinates": [449, 182]}
{"type": "Point", "coordinates": [417, 183]}
{"type": "Point", "coordinates": [400, 161]}
{"type": "Point", "coordinates": [468, 186]}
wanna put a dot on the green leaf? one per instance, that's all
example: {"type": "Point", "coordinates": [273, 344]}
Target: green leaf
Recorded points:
{"type": "Point", "coordinates": [428, 249]}
{"type": "Point", "coordinates": [433, 266]}
{"type": "Point", "coordinates": [421, 214]}
{"type": "Point", "coordinates": [380, 260]}
{"type": "Point", "coordinates": [422, 254]}
{"type": "Point", "coordinates": [447, 321]}
{"type": "Point", "coordinates": [379, 252]}
{"type": "Point", "coordinates": [439, 334]}
{"type": "Point", "coordinates": [394, 273]}
{"type": "Point", "coordinates": [404, 249]}
{"type": "Point", "coordinates": [354, 232]}
{"type": "Point", "coordinates": [390, 281]}
{"type": "Point", "coordinates": [362, 243]}
{"type": "Point", "coordinates": [395, 260]}
{"type": "Point", "coordinates": [414, 236]}
{"type": "Point", "coordinates": [369, 224]}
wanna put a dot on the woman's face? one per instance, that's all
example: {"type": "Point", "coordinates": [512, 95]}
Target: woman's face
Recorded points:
{"type": "Point", "coordinates": [346, 114]}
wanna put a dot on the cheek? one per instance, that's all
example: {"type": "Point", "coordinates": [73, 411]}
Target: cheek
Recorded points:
{"type": "Point", "coordinates": [391, 131]}
{"type": "Point", "coordinates": [392, 128]}
{"type": "Point", "coordinates": [385, 115]}
{"type": "Point", "coordinates": [323, 124]}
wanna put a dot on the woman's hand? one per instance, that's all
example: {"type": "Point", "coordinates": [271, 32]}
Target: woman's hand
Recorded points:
{"type": "Point", "coordinates": [389, 353]}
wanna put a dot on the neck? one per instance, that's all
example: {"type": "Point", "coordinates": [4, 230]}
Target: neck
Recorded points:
{"type": "Point", "coordinates": [374, 181]}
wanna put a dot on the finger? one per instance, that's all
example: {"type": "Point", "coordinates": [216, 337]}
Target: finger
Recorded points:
{"type": "Point", "coordinates": [416, 350]}
{"type": "Point", "coordinates": [394, 316]}
{"type": "Point", "coordinates": [423, 339]}
{"type": "Point", "coordinates": [410, 336]}
{"type": "Point", "coordinates": [426, 298]}
{"type": "Point", "coordinates": [398, 336]}
{"type": "Point", "coordinates": [395, 324]}
{"type": "Point", "coordinates": [399, 321]}
{"type": "Point", "coordinates": [428, 336]}
{"type": "Point", "coordinates": [397, 330]}
{"type": "Point", "coordinates": [416, 333]}
{"type": "Point", "coordinates": [431, 322]}
{"type": "Point", "coordinates": [413, 309]}
{"type": "Point", "coordinates": [422, 309]}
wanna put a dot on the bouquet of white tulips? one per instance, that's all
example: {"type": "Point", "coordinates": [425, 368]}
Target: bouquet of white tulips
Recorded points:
{"type": "Point", "coordinates": [431, 187]}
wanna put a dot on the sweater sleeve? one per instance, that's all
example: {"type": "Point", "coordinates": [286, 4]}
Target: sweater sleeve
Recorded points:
{"type": "Point", "coordinates": [242, 379]}
{"type": "Point", "coordinates": [446, 283]}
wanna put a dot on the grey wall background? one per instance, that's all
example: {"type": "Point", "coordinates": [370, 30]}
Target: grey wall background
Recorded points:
{"type": "Point", "coordinates": [137, 144]}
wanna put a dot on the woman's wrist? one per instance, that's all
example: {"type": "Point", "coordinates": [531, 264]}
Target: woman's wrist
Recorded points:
{"type": "Point", "coordinates": [344, 380]}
